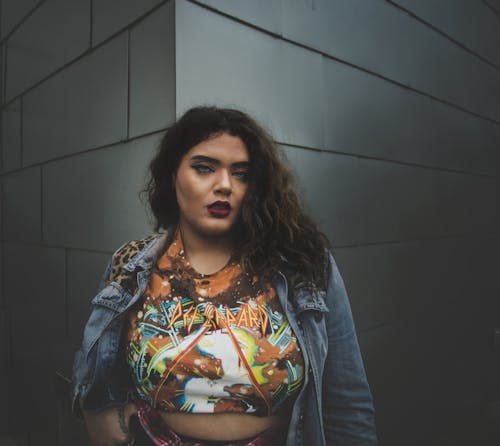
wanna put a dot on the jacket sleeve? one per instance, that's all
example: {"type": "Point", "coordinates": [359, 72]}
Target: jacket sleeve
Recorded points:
{"type": "Point", "coordinates": [348, 411]}
{"type": "Point", "coordinates": [85, 394]}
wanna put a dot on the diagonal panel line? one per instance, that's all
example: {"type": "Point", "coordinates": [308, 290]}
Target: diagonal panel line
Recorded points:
{"type": "Point", "coordinates": [248, 368]}
{"type": "Point", "coordinates": [175, 362]}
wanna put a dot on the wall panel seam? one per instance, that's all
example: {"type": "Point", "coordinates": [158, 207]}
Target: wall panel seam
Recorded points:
{"type": "Point", "coordinates": [175, 55]}
{"type": "Point", "coordinates": [491, 8]}
{"type": "Point", "coordinates": [444, 34]}
{"type": "Point", "coordinates": [134, 22]}
{"type": "Point", "coordinates": [89, 251]}
{"type": "Point", "coordinates": [84, 54]}
{"type": "Point", "coordinates": [287, 144]}
{"type": "Point", "coordinates": [91, 27]}
{"type": "Point", "coordinates": [2, 216]}
{"type": "Point", "coordinates": [463, 236]}
{"type": "Point", "coordinates": [66, 302]}
{"type": "Point", "coordinates": [31, 244]}
{"type": "Point", "coordinates": [41, 204]}
{"type": "Point", "coordinates": [21, 139]}
{"type": "Point", "coordinates": [345, 62]}
{"type": "Point", "coordinates": [3, 48]}
{"type": "Point", "coordinates": [22, 21]}
{"type": "Point", "coordinates": [11, 341]}
{"type": "Point", "coordinates": [390, 161]}
{"type": "Point", "coordinates": [129, 39]}
{"type": "Point", "coordinates": [90, 150]}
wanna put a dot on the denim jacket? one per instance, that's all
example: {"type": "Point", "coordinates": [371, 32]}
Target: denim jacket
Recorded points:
{"type": "Point", "coordinates": [334, 406]}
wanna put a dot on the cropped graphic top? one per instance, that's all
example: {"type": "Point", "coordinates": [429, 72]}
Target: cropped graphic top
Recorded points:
{"type": "Point", "coordinates": [211, 343]}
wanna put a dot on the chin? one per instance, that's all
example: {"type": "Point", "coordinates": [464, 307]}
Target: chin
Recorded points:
{"type": "Point", "coordinates": [217, 229]}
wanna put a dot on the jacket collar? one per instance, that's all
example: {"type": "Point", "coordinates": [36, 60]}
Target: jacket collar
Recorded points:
{"type": "Point", "coordinates": [306, 297]}
{"type": "Point", "coordinates": [146, 258]}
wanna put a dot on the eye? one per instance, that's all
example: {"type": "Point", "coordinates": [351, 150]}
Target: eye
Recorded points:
{"type": "Point", "coordinates": [241, 175]}
{"type": "Point", "coordinates": [202, 169]}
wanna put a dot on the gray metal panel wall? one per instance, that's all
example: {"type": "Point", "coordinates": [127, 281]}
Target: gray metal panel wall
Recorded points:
{"type": "Point", "coordinates": [390, 118]}
{"type": "Point", "coordinates": [14, 11]}
{"type": "Point", "coordinates": [388, 112]}
{"type": "Point", "coordinates": [469, 22]}
{"type": "Point", "coordinates": [79, 125]}
{"type": "Point", "coordinates": [111, 16]}
{"type": "Point", "coordinates": [382, 38]}
{"type": "Point", "coordinates": [56, 33]}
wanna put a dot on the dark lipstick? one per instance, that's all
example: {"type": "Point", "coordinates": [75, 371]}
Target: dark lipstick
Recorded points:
{"type": "Point", "coordinates": [219, 209]}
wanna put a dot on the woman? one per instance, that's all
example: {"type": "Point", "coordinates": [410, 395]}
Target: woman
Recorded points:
{"type": "Point", "coordinates": [232, 326]}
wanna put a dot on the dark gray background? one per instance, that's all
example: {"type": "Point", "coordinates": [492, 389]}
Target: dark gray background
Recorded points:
{"type": "Point", "coordinates": [389, 112]}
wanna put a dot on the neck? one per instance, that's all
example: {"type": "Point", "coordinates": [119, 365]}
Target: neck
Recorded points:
{"type": "Point", "coordinates": [207, 254]}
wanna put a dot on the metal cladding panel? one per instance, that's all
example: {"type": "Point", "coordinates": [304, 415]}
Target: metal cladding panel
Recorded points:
{"type": "Point", "coordinates": [84, 271]}
{"type": "Point", "coordinates": [406, 202]}
{"type": "Point", "coordinates": [481, 255]}
{"type": "Point", "coordinates": [2, 73]}
{"type": "Point", "coordinates": [99, 207]}
{"type": "Point", "coordinates": [4, 368]}
{"type": "Point", "coordinates": [465, 142]}
{"type": "Point", "coordinates": [368, 201]}
{"type": "Point", "coordinates": [357, 31]}
{"type": "Point", "coordinates": [494, 5]}
{"type": "Point", "coordinates": [441, 68]}
{"type": "Point", "coordinates": [38, 308]}
{"type": "Point", "coordinates": [392, 286]}
{"type": "Point", "coordinates": [386, 40]}
{"type": "Point", "coordinates": [483, 211]}
{"type": "Point", "coordinates": [436, 351]}
{"type": "Point", "coordinates": [427, 372]}
{"type": "Point", "coordinates": [2, 302]}
{"type": "Point", "coordinates": [11, 136]}
{"type": "Point", "coordinates": [331, 189]}
{"type": "Point", "coordinates": [56, 33]}
{"type": "Point", "coordinates": [360, 201]}
{"type": "Point", "coordinates": [5, 347]}
{"type": "Point", "coordinates": [467, 204]}
{"type": "Point", "coordinates": [368, 115]}
{"type": "Point", "coordinates": [444, 70]}
{"type": "Point", "coordinates": [469, 22]}
{"type": "Point", "coordinates": [110, 16]}
{"type": "Point", "coordinates": [387, 347]}
{"type": "Point", "coordinates": [152, 72]}
{"type": "Point", "coordinates": [265, 14]}
{"type": "Point", "coordinates": [400, 201]}
{"type": "Point", "coordinates": [37, 302]}
{"type": "Point", "coordinates": [13, 11]}
{"type": "Point", "coordinates": [80, 108]}
{"type": "Point", "coordinates": [22, 206]}
{"type": "Point", "coordinates": [222, 62]}
{"type": "Point", "coordinates": [1, 244]}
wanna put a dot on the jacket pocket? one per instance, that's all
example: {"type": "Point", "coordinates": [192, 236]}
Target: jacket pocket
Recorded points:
{"type": "Point", "coordinates": [112, 296]}
{"type": "Point", "coordinates": [309, 299]}
{"type": "Point", "coordinates": [110, 302]}
{"type": "Point", "coordinates": [310, 309]}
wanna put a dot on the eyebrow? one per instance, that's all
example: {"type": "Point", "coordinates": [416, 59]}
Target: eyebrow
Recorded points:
{"type": "Point", "coordinates": [208, 159]}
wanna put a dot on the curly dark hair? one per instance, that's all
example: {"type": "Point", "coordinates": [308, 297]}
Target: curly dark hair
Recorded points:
{"type": "Point", "coordinates": [272, 225]}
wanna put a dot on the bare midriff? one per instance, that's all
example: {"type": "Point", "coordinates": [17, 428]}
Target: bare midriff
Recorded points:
{"type": "Point", "coordinates": [222, 426]}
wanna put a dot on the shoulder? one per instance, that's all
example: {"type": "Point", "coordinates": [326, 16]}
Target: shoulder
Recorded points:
{"type": "Point", "coordinates": [127, 252]}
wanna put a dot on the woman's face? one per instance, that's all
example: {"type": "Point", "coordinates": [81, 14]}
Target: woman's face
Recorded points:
{"type": "Point", "coordinates": [210, 185]}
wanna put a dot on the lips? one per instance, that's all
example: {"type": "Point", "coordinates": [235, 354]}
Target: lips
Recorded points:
{"type": "Point", "coordinates": [219, 209]}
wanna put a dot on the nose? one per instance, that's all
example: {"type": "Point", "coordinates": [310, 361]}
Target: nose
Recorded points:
{"type": "Point", "coordinates": [224, 184]}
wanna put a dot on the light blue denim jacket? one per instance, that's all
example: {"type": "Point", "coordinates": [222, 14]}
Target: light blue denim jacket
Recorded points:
{"type": "Point", "coordinates": [334, 406]}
